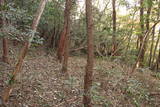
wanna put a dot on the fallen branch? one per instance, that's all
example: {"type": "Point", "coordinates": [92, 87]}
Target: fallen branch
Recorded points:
{"type": "Point", "coordinates": [77, 49]}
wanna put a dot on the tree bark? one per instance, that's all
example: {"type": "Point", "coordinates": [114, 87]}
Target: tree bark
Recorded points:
{"type": "Point", "coordinates": [90, 56]}
{"type": "Point", "coordinates": [142, 33]}
{"type": "Point", "coordinates": [61, 46]}
{"type": "Point", "coordinates": [114, 45]}
{"type": "Point", "coordinates": [5, 54]}
{"type": "Point", "coordinates": [63, 42]}
{"type": "Point", "coordinates": [24, 51]}
{"type": "Point", "coordinates": [66, 42]}
{"type": "Point", "coordinates": [158, 60]}
{"type": "Point", "coordinates": [157, 64]}
{"type": "Point", "coordinates": [151, 49]}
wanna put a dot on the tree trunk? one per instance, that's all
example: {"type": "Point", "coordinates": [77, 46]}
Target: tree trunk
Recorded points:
{"type": "Point", "coordinates": [24, 51]}
{"type": "Point", "coordinates": [151, 60]}
{"type": "Point", "coordinates": [157, 64]}
{"type": "Point", "coordinates": [65, 33]}
{"type": "Point", "coordinates": [66, 42]}
{"type": "Point", "coordinates": [50, 40]}
{"type": "Point", "coordinates": [61, 45]}
{"type": "Point", "coordinates": [151, 49]}
{"type": "Point", "coordinates": [141, 49]}
{"type": "Point", "coordinates": [5, 56]}
{"type": "Point", "coordinates": [137, 43]}
{"type": "Point", "coordinates": [149, 2]}
{"type": "Point", "coordinates": [155, 49]}
{"type": "Point", "coordinates": [90, 57]}
{"type": "Point", "coordinates": [114, 45]}
{"type": "Point", "coordinates": [142, 33]}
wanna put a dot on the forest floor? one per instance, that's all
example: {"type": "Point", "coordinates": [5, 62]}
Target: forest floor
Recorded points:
{"type": "Point", "coordinates": [42, 84]}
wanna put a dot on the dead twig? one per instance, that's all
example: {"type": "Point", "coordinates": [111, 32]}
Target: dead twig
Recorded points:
{"type": "Point", "coordinates": [77, 49]}
{"type": "Point", "coordinates": [68, 101]}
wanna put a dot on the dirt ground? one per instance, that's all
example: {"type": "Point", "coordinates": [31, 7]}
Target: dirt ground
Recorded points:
{"type": "Point", "coordinates": [42, 84]}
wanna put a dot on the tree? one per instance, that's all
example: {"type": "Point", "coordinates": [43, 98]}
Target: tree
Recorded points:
{"type": "Point", "coordinates": [114, 46]}
{"type": "Point", "coordinates": [155, 49]}
{"type": "Point", "coordinates": [90, 56]}
{"type": "Point", "coordinates": [5, 56]}
{"type": "Point", "coordinates": [152, 54]}
{"type": "Point", "coordinates": [149, 7]}
{"type": "Point", "coordinates": [142, 47]}
{"type": "Point", "coordinates": [24, 51]}
{"type": "Point", "coordinates": [141, 37]}
{"type": "Point", "coordinates": [157, 64]}
{"type": "Point", "coordinates": [63, 49]}
{"type": "Point", "coordinates": [142, 32]}
{"type": "Point", "coordinates": [151, 49]}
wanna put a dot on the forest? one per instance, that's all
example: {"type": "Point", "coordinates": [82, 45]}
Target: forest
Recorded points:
{"type": "Point", "coordinates": [79, 53]}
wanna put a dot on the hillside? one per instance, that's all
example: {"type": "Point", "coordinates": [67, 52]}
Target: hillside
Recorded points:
{"type": "Point", "coordinates": [42, 84]}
